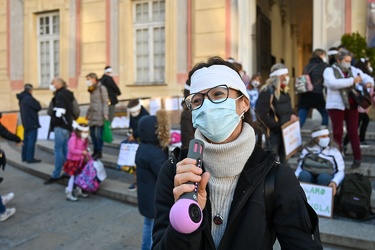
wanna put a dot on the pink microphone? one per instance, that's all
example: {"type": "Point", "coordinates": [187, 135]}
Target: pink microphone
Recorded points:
{"type": "Point", "coordinates": [186, 215]}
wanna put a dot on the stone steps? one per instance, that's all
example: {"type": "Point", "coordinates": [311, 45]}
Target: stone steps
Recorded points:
{"type": "Point", "coordinates": [338, 232]}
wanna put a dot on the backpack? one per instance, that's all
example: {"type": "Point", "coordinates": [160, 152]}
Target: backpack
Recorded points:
{"type": "Point", "coordinates": [354, 200]}
{"type": "Point", "coordinates": [87, 179]}
{"type": "Point", "coordinates": [303, 83]}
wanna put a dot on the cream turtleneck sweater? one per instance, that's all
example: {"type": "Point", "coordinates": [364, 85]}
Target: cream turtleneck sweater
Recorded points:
{"type": "Point", "coordinates": [225, 162]}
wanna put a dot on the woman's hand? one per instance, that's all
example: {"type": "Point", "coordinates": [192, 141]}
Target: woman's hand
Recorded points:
{"type": "Point", "coordinates": [187, 171]}
{"type": "Point", "coordinates": [293, 118]}
{"type": "Point", "coordinates": [333, 185]}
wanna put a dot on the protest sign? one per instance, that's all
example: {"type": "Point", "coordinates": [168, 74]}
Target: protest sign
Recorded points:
{"type": "Point", "coordinates": [320, 198]}
{"type": "Point", "coordinates": [292, 138]}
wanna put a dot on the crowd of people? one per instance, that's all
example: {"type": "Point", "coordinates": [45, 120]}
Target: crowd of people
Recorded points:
{"type": "Point", "coordinates": [229, 111]}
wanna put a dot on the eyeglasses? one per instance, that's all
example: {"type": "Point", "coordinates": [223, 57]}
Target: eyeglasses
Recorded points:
{"type": "Point", "coordinates": [216, 95]}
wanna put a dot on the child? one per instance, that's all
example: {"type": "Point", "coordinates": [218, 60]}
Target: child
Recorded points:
{"type": "Point", "coordinates": [77, 157]}
{"type": "Point", "coordinates": [321, 147]}
{"type": "Point", "coordinates": [253, 91]}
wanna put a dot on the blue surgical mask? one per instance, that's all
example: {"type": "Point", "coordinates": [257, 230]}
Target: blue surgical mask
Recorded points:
{"type": "Point", "coordinates": [216, 121]}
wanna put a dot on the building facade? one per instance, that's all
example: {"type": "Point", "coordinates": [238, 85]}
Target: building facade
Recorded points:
{"type": "Point", "coordinates": [152, 44]}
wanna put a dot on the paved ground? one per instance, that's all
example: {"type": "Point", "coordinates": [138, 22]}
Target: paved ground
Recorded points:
{"type": "Point", "coordinates": [45, 220]}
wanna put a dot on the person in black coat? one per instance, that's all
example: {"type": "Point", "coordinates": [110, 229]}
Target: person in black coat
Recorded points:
{"type": "Point", "coordinates": [61, 112]}
{"type": "Point", "coordinates": [150, 157]}
{"type": "Point", "coordinates": [237, 214]}
{"type": "Point", "coordinates": [274, 109]}
{"type": "Point", "coordinates": [113, 91]}
{"type": "Point", "coordinates": [137, 111]}
{"type": "Point", "coordinates": [186, 125]}
{"type": "Point", "coordinates": [29, 108]}
{"type": "Point", "coordinates": [315, 98]}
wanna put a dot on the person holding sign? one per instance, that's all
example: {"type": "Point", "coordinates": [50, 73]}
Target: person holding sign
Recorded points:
{"type": "Point", "coordinates": [274, 108]}
{"type": "Point", "coordinates": [321, 163]}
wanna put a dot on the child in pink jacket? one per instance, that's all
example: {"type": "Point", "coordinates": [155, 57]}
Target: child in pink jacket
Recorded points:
{"type": "Point", "coordinates": [77, 158]}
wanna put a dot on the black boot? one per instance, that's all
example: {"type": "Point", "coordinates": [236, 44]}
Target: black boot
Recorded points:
{"type": "Point", "coordinates": [93, 155]}
{"type": "Point", "coordinates": [98, 155]}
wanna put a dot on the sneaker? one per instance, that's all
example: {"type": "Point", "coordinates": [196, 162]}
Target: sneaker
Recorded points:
{"type": "Point", "coordinates": [7, 198]}
{"type": "Point", "coordinates": [78, 193]}
{"type": "Point", "coordinates": [70, 196]}
{"type": "Point", "coordinates": [356, 164]}
{"type": "Point", "coordinates": [8, 212]}
{"type": "Point", "coordinates": [364, 144]}
{"type": "Point", "coordinates": [133, 187]}
{"type": "Point", "coordinates": [51, 180]}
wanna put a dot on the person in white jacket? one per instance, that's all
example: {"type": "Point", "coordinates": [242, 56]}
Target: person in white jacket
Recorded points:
{"type": "Point", "coordinates": [338, 79]}
{"type": "Point", "coordinates": [320, 145]}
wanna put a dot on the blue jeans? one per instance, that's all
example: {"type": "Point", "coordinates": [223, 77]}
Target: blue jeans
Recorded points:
{"type": "Point", "coordinates": [148, 225]}
{"type": "Point", "coordinates": [302, 114]}
{"type": "Point", "coordinates": [96, 133]}
{"type": "Point", "coordinates": [29, 140]}
{"type": "Point", "coordinates": [61, 150]}
{"type": "Point", "coordinates": [2, 207]}
{"type": "Point", "coordinates": [322, 179]}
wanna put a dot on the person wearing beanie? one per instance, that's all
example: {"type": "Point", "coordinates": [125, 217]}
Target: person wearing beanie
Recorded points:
{"type": "Point", "coordinates": [113, 91]}
{"type": "Point", "coordinates": [235, 212]}
{"type": "Point", "coordinates": [186, 125]}
{"type": "Point", "coordinates": [29, 108]}
{"type": "Point", "coordinates": [136, 111]}
{"type": "Point", "coordinates": [274, 108]}
{"type": "Point", "coordinates": [322, 149]}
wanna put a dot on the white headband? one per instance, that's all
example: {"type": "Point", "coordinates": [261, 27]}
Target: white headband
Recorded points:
{"type": "Point", "coordinates": [206, 78]}
{"type": "Point", "coordinates": [319, 133]}
{"type": "Point", "coordinates": [135, 108]}
{"type": "Point", "coordinates": [109, 70]}
{"type": "Point", "coordinates": [83, 129]}
{"type": "Point", "coordinates": [332, 52]}
{"type": "Point", "coordinates": [279, 72]}
{"type": "Point", "coordinates": [187, 87]}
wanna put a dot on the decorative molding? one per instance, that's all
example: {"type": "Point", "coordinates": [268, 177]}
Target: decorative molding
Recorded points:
{"type": "Point", "coordinates": [283, 12]}
{"type": "Point", "coordinates": [271, 3]}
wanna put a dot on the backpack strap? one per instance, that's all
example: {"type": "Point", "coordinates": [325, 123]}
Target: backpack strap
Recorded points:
{"type": "Point", "coordinates": [269, 199]}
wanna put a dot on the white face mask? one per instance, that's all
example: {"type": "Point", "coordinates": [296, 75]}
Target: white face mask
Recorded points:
{"type": "Point", "coordinates": [84, 135]}
{"type": "Point", "coordinates": [88, 83]}
{"type": "Point", "coordinates": [370, 69]}
{"type": "Point", "coordinates": [136, 113]}
{"type": "Point", "coordinates": [324, 142]}
{"type": "Point", "coordinates": [324, 59]}
{"type": "Point", "coordinates": [345, 65]}
{"type": "Point", "coordinates": [52, 88]}
{"type": "Point", "coordinates": [286, 81]}
{"type": "Point", "coordinates": [255, 84]}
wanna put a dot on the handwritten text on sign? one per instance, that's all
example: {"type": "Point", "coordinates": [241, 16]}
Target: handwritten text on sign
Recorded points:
{"type": "Point", "coordinates": [319, 198]}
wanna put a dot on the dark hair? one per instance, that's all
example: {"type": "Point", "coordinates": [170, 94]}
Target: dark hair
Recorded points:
{"type": "Point", "coordinates": [362, 65]}
{"type": "Point", "coordinates": [216, 60]}
{"type": "Point", "coordinates": [93, 76]}
{"type": "Point", "coordinates": [132, 103]}
{"type": "Point", "coordinates": [28, 86]}
{"type": "Point", "coordinates": [107, 67]}
{"type": "Point", "coordinates": [318, 52]}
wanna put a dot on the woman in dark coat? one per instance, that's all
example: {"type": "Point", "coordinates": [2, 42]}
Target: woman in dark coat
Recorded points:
{"type": "Point", "coordinates": [231, 186]}
{"type": "Point", "coordinates": [274, 108]}
{"type": "Point", "coordinates": [152, 152]}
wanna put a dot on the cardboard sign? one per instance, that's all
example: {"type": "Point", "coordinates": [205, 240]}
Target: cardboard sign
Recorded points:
{"type": "Point", "coordinates": [320, 198]}
{"type": "Point", "coordinates": [126, 156]}
{"type": "Point", "coordinates": [292, 138]}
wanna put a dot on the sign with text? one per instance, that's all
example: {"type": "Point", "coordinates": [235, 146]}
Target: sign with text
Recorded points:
{"type": "Point", "coordinates": [320, 198]}
{"type": "Point", "coordinates": [292, 138]}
